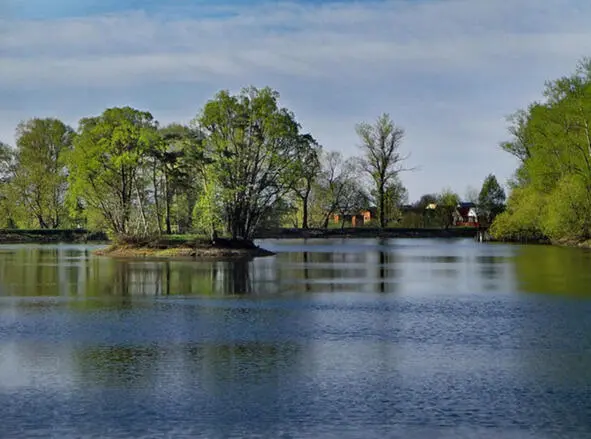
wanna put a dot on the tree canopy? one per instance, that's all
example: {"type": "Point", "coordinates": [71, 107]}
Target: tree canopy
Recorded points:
{"type": "Point", "coordinates": [39, 180]}
{"type": "Point", "coordinates": [106, 164]}
{"type": "Point", "coordinates": [254, 146]}
{"type": "Point", "coordinates": [491, 200]}
{"type": "Point", "coordinates": [551, 194]}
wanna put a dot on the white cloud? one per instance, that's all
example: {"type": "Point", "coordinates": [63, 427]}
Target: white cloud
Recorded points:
{"type": "Point", "coordinates": [447, 70]}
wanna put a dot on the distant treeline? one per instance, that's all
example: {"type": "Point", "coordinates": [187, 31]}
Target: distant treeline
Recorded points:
{"type": "Point", "coordinates": [244, 164]}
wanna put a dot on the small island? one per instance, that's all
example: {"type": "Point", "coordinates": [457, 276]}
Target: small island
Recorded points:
{"type": "Point", "coordinates": [184, 247]}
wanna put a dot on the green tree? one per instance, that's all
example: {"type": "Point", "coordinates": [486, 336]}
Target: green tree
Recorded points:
{"type": "Point", "coordinates": [551, 194]}
{"type": "Point", "coordinates": [40, 175]}
{"type": "Point", "coordinates": [491, 200]}
{"type": "Point", "coordinates": [447, 202]}
{"type": "Point", "coordinates": [254, 146]}
{"type": "Point", "coordinates": [6, 176]}
{"type": "Point", "coordinates": [395, 195]}
{"type": "Point", "coordinates": [382, 159]}
{"type": "Point", "coordinates": [106, 163]}
{"type": "Point", "coordinates": [174, 161]}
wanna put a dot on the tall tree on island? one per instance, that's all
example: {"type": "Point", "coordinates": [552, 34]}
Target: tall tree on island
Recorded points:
{"type": "Point", "coordinates": [40, 177]}
{"type": "Point", "coordinates": [382, 159]}
{"type": "Point", "coordinates": [106, 163]}
{"type": "Point", "coordinates": [254, 146]}
{"type": "Point", "coordinates": [174, 158]}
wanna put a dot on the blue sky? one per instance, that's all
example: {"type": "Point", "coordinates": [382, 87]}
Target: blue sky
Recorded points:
{"type": "Point", "coordinates": [448, 71]}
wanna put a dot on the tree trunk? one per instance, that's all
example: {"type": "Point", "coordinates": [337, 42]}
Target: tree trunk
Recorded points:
{"type": "Point", "coordinates": [42, 223]}
{"type": "Point", "coordinates": [305, 199]}
{"type": "Point", "coordinates": [382, 207]}
{"type": "Point", "coordinates": [305, 213]}
{"type": "Point", "coordinates": [167, 201]}
{"type": "Point", "coordinates": [156, 201]}
{"type": "Point", "coordinates": [142, 211]}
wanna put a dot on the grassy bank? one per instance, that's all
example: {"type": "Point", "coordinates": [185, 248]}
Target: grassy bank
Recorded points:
{"type": "Point", "coordinates": [183, 247]}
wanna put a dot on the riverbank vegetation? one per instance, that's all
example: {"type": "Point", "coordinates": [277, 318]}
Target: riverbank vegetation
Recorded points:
{"type": "Point", "coordinates": [243, 164]}
{"type": "Point", "coordinates": [551, 192]}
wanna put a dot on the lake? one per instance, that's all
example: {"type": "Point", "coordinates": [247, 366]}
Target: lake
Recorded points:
{"type": "Point", "coordinates": [400, 338]}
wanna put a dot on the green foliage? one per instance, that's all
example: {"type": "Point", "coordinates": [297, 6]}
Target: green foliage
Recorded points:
{"type": "Point", "coordinates": [6, 175]}
{"type": "Point", "coordinates": [38, 184]}
{"type": "Point", "coordinates": [254, 147]}
{"type": "Point", "coordinates": [553, 141]}
{"type": "Point", "coordinates": [177, 161]}
{"type": "Point", "coordinates": [447, 202]}
{"type": "Point", "coordinates": [106, 164]}
{"type": "Point", "coordinates": [491, 200]}
{"type": "Point", "coordinates": [570, 195]}
{"type": "Point", "coordinates": [395, 194]}
{"type": "Point", "coordinates": [207, 215]}
{"type": "Point", "coordinates": [245, 164]}
{"type": "Point", "coordinates": [521, 219]}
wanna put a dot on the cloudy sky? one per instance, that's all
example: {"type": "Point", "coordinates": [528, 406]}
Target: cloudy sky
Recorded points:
{"type": "Point", "coordinates": [448, 71]}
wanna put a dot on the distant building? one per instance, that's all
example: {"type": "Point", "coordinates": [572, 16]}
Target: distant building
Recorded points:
{"type": "Point", "coordinates": [362, 217]}
{"type": "Point", "coordinates": [466, 215]}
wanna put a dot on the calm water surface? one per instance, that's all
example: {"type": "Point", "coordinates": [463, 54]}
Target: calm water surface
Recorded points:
{"type": "Point", "coordinates": [328, 339]}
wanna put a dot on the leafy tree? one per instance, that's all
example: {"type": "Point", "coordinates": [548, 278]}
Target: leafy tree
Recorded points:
{"type": "Point", "coordinates": [40, 176]}
{"type": "Point", "coordinates": [382, 159]}
{"type": "Point", "coordinates": [395, 195]}
{"type": "Point", "coordinates": [551, 194]}
{"type": "Point", "coordinates": [106, 163]}
{"type": "Point", "coordinates": [447, 201]}
{"type": "Point", "coordinates": [491, 200]}
{"type": "Point", "coordinates": [209, 207]}
{"type": "Point", "coordinates": [6, 175]}
{"type": "Point", "coordinates": [254, 146]}
{"type": "Point", "coordinates": [519, 146]}
{"type": "Point", "coordinates": [175, 158]}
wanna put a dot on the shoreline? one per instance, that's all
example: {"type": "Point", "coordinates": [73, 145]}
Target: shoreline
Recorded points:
{"type": "Point", "coordinates": [192, 249]}
{"type": "Point", "coordinates": [201, 248]}
{"type": "Point", "coordinates": [366, 232]}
